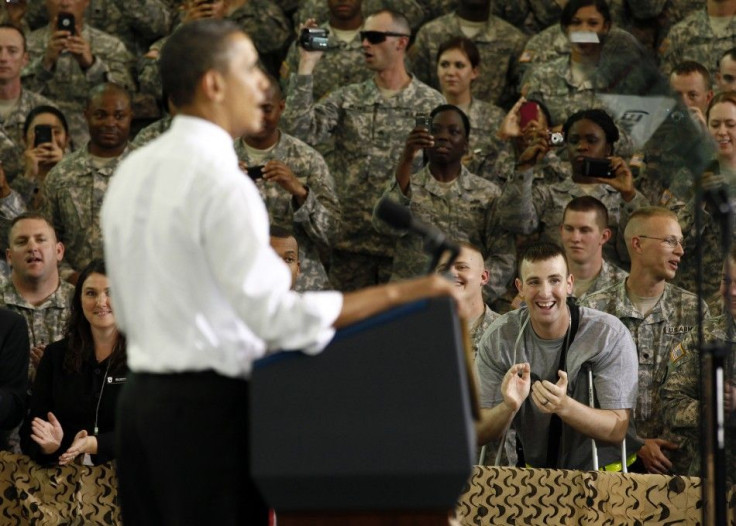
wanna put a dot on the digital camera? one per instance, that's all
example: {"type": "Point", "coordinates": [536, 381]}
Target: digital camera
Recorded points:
{"type": "Point", "coordinates": [313, 39]}
{"type": "Point", "coordinates": [556, 138]}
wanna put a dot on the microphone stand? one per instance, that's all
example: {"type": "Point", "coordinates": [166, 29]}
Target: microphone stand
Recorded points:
{"type": "Point", "coordinates": [713, 358]}
{"type": "Point", "coordinates": [437, 246]}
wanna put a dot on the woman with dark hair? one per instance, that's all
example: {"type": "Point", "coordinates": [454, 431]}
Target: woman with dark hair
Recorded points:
{"type": "Point", "coordinates": [78, 381]}
{"type": "Point", "coordinates": [593, 63]}
{"type": "Point", "coordinates": [594, 169]}
{"type": "Point", "coordinates": [46, 137]}
{"type": "Point", "coordinates": [458, 63]}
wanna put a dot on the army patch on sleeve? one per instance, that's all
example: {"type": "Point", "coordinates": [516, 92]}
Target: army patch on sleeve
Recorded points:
{"type": "Point", "coordinates": [526, 56]}
{"type": "Point", "coordinates": [677, 353]}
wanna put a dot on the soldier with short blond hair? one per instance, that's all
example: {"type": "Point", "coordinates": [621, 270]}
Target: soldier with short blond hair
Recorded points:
{"type": "Point", "coordinates": [659, 315]}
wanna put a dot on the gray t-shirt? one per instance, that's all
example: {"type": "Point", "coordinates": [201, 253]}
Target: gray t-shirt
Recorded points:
{"type": "Point", "coordinates": [602, 343]}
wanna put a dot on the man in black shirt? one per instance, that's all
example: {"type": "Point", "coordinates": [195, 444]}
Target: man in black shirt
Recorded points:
{"type": "Point", "coordinates": [14, 356]}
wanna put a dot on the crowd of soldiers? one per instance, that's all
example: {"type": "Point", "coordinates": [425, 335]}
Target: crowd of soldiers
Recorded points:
{"type": "Point", "coordinates": [342, 129]}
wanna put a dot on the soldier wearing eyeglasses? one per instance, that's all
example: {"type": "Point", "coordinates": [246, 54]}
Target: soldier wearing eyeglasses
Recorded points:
{"type": "Point", "coordinates": [659, 315]}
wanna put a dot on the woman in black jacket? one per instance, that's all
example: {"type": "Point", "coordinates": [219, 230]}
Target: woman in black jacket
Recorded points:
{"type": "Point", "coordinates": [78, 381]}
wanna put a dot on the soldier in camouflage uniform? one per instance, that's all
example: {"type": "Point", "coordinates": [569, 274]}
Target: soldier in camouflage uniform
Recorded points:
{"type": "Point", "coordinates": [34, 289]}
{"type": "Point", "coordinates": [138, 23]}
{"type": "Point", "coordinates": [650, 20]}
{"type": "Point", "coordinates": [515, 12]}
{"type": "Point", "coordinates": [446, 195]}
{"type": "Point", "coordinates": [499, 43]}
{"type": "Point", "coordinates": [17, 102]}
{"type": "Point", "coordinates": [659, 315]}
{"type": "Point", "coordinates": [76, 186]}
{"type": "Point", "coordinates": [368, 128]}
{"type": "Point", "coordinates": [717, 175]}
{"type": "Point", "coordinates": [545, 13]}
{"type": "Point", "coordinates": [263, 21]}
{"type": "Point", "coordinates": [548, 169]}
{"type": "Point", "coordinates": [151, 132]}
{"type": "Point", "coordinates": [65, 67]}
{"type": "Point", "coordinates": [584, 233]}
{"type": "Point", "coordinates": [617, 65]}
{"type": "Point", "coordinates": [608, 276]}
{"type": "Point", "coordinates": [543, 47]}
{"type": "Point", "coordinates": [709, 241]}
{"type": "Point", "coordinates": [39, 159]}
{"type": "Point", "coordinates": [343, 64]}
{"type": "Point", "coordinates": [680, 391]}
{"type": "Point", "coordinates": [37, 16]}
{"type": "Point", "coordinates": [13, 128]}
{"type": "Point", "coordinates": [319, 10]}
{"type": "Point", "coordinates": [149, 78]}
{"type": "Point", "coordinates": [296, 187]}
{"type": "Point", "coordinates": [485, 149]}
{"type": "Point", "coordinates": [458, 63]}
{"type": "Point", "coordinates": [694, 38]}
{"type": "Point", "coordinates": [470, 274]}
{"type": "Point", "coordinates": [524, 208]}
{"type": "Point", "coordinates": [553, 43]}
{"type": "Point", "coordinates": [552, 84]}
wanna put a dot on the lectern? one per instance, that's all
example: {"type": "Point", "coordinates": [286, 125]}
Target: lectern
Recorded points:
{"type": "Point", "coordinates": [376, 429]}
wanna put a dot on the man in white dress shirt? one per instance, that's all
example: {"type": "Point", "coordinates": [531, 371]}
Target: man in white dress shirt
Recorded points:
{"type": "Point", "coordinates": [200, 294]}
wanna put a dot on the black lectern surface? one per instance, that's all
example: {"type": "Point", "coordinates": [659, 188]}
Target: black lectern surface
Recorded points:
{"type": "Point", "coordinates": [380, 420]}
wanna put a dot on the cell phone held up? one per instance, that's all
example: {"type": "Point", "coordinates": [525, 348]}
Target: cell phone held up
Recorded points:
{"type": "Point", "coordinates": [255, 172]}
{"type": "Point", "coordinates": [66, 22]}
{"type": "Point", "coordinates": [423, 121]}
{"type": "Point", "coordinates": [601, 168]}
{"type": "Point", "coordinates": [41, 134]}
{"type": "Point", "coordinates": [529, 111]}
{"type": "Point", "coordinates": [314, 39]}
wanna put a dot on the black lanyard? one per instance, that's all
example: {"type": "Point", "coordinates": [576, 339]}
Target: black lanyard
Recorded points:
{"type": "Point", "coordinates": [555, 424]}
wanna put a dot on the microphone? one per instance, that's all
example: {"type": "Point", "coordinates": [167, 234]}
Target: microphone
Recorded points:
{"type": "Point", "coordinates": [436, 242]}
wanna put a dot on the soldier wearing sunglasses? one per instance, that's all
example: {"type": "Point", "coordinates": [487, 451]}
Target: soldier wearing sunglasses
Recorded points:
{"type": "Point", "coordinates": [659, 315]}
{"type": "Point", "coordinates": [368, 122]}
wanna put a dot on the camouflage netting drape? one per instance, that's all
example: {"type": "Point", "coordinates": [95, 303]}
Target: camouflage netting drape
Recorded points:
{"type": "Point", "coordinates": [76, 495]}
{"type": "Point", "coordinates": [31, 494]}
{"type": "Point", "coordinates": [497, 495]}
